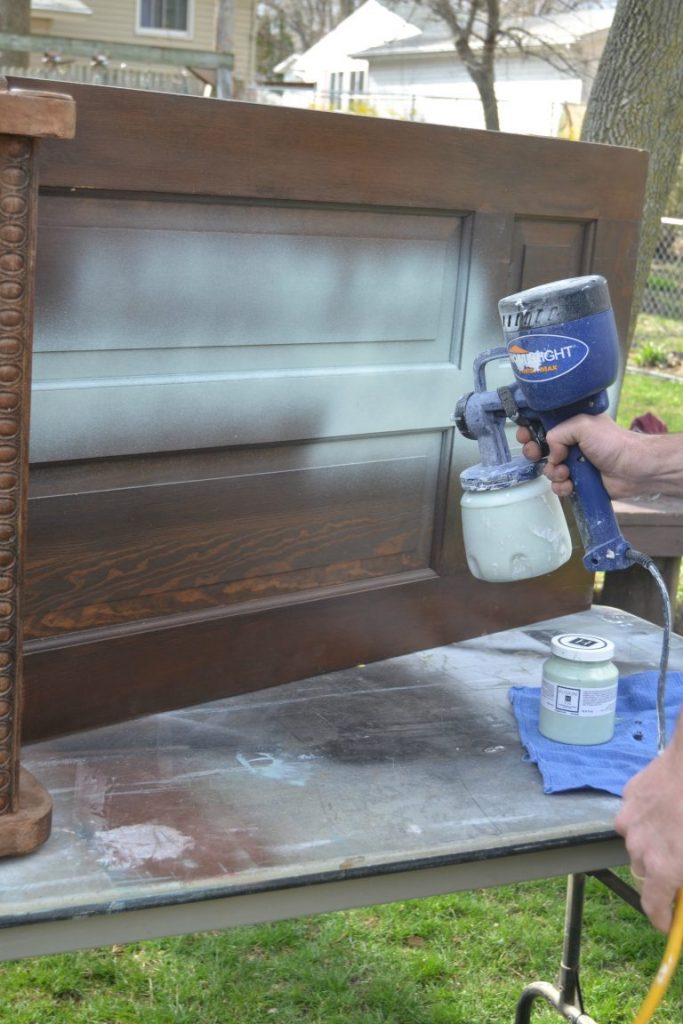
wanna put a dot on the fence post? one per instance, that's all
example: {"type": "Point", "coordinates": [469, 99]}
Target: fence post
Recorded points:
{"type": "Point", "coordinates": [25, 116]}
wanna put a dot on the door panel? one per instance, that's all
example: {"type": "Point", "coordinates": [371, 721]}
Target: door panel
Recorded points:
{"type": "Point", "coordinates": [548, 250]}
{"type": "Point", "coordinates": [227, 528]}
{"type": "Point", "coordinates": [162, 326]}
{"type": "Point", "coordinates": [251, 329]}
{"type": "Point", "coordinates": [227, 274]}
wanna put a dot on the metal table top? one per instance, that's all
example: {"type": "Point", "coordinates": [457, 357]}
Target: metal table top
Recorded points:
{"type": "Point", "coordinates": [396, 779]}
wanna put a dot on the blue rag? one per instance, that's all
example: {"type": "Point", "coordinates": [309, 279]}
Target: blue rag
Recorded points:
{"type": "Point", "coordinates": [605, 766]}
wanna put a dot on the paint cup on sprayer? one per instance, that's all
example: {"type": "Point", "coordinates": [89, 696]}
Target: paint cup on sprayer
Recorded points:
{"type": "Point", "coordinates": [514, 533]}
{"type": "Point", "coordinates": [578, 690]}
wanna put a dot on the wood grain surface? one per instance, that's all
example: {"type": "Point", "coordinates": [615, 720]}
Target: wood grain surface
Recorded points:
{"type": "Point", "coordinates": [280, 498]}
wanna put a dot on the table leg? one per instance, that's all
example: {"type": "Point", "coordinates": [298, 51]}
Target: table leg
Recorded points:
{"type": "Point", "coordinates": [565, 997]}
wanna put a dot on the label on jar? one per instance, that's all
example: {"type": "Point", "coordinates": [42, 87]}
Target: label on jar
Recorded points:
{"type": "Point", "coordinates": [583, 702]}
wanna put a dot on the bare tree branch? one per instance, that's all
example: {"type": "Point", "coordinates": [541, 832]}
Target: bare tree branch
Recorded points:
{"type": "Point", "coordinates": [482, 29]}
{"type": "Point", "coordinates": [306, 21]}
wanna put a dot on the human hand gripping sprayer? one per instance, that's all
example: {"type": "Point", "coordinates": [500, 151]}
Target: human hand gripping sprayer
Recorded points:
{"type": "Point", "coordinates": [562, 343]}
{"type": "Point", "coordinates": [561, 340]}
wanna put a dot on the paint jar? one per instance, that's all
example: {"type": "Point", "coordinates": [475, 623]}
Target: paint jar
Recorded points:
{"type": "Point", "coordinates": [514, 533]}
{"type": "Point", "coordinates": [579, 690]}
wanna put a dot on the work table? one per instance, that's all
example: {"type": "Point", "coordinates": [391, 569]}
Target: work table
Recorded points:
{"type": "Point", "coordinates": [386, 781]}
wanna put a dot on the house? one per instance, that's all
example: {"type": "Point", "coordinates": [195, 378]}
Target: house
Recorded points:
{"type": "Point", "coordinates": [414, 73]}
{"type": "Point", "coordinates": [328, 74]}
{"type": "Point", "coordinates": [541, 89]}
{"type": "Point", "coordinates": [105, 40]}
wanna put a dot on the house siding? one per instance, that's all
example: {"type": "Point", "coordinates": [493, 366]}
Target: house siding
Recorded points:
{"type": "Point", "coordinates": [116, 21]}
{"type": "Point", "coordinates": [531, 94]}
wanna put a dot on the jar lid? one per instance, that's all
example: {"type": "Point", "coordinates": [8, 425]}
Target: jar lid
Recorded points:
{"type": "Point", "coordinates": [581, 647]}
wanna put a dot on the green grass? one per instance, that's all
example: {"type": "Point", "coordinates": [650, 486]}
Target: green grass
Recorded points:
{"type": "Point", "coordinates": [642, 393]}
{"type": "Point", "coordinates": [651, 326]}
{"type": "Point", "coordinates": [460, 959]}
{"type": "Point", "coordinates": [445, 960]}
{"type": "Point", "coordinates": [659, 330]}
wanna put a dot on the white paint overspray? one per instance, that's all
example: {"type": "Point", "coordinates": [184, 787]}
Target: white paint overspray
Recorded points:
{"type": "Point", "coordinates": [269, 766]}
{"type": "Point", "coordinates": [131, 846]}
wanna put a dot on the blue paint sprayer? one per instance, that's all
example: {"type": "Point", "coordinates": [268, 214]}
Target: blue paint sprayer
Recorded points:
{"type": "Point", "coordinates": [561, 341]}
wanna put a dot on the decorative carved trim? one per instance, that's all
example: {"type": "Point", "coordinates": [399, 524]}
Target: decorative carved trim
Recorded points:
{"type": "Point", "coordinates": [16, 259]}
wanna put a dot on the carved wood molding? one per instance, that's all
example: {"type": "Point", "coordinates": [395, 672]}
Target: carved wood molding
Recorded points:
{"type": "Point", "coordinates": [16, 245]}
{"type": "Point", "coordinates": [25, 807]}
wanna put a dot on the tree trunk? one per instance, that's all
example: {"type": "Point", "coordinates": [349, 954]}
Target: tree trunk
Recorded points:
{"type": "Point", "coordinates": [225, 43]}
{"type": "Point", "coordinates": [637, 100]}
{"type": "Point", "coordinates": [481, 70]}
{"type": "Point", "coordinates": [487, 93]}
{"type": "Point", "coordinates": [15, 17]}
{"type": "Point", "coordinates": [481, 64]}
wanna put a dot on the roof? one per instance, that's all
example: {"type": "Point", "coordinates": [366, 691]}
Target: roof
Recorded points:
{"type": "Point", "coordinates": [59, 7]}
{"type": "Point", "coordinates": [563, 29]}
{"type": "Point", "coordinates": [369, 25]}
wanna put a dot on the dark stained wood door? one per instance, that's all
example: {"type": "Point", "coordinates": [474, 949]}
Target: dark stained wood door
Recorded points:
{"type": "Point", "coordinates": [251, 328]}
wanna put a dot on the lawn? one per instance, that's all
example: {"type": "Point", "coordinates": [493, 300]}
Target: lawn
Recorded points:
{"type": "Point", "coordinates": [445, 960]}
{"type": "Point", "coordinates": [642, 393]}
{"type": "Point", "coordinates": [456, 959]}
{"type": "Point", "coordinates": [659, 330]}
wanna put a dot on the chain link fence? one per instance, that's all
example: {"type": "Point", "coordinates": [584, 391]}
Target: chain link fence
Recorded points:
{"type": "Point", "coordinates": [664, 292]}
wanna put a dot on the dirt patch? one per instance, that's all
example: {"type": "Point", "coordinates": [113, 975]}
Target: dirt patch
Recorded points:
{"type": "Point", "coordinates": [672, 372]}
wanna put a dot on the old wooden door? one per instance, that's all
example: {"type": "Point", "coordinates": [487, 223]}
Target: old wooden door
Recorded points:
{"type": "Point", "coordinates": [252, 325]}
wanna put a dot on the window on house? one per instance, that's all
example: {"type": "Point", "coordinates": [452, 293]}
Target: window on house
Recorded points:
{"type": "Point", "coordinates": [336, 86]}
{"type": "Point", "coordinates": [164, 16]}
{"type": "Point", "coordinates": [357, 83]}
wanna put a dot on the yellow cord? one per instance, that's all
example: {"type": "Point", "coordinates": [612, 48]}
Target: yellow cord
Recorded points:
{"type": "Point", "coordinates": [667, 967]}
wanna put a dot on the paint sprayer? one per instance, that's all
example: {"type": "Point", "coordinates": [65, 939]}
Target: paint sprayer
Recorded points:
{"type": "Point", "coordinates": [561, 341]}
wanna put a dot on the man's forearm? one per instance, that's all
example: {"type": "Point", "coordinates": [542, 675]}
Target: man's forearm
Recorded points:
{"type": "Point", "coordinates": [651, 822]}
{"type": "Point", "coordinates": [659, 459]}
{"type": "Point", "coordinates": [675, 745]}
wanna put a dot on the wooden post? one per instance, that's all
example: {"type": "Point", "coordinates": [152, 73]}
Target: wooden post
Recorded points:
{"type": "Point", "coordinates": [25, 116]}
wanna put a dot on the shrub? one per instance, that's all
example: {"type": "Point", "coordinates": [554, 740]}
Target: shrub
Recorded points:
{"type": "Point", "coordinates": [659, 283]}
{"type": "Point", "coordinates": [651, 354]}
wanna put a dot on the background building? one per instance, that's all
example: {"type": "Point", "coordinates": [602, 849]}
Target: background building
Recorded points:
{"type": "Point", "coordinates": [154, 44]}
{"type": "Point", "coordinates": [414, 72]}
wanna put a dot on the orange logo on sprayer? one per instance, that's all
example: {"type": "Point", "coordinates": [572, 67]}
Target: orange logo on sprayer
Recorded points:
{"type": "Point", "coordinates": [554, 355]}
